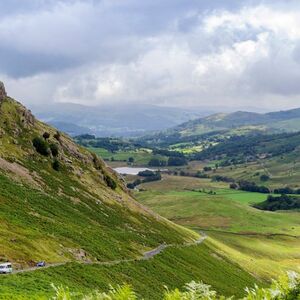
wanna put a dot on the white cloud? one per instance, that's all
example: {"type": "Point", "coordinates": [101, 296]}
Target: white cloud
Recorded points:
{"type": "Point", "coordinates": [108, 52]}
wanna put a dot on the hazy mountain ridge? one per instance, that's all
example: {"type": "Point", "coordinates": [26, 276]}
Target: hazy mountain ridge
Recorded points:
{"type": "Point", "coordinates": [111, 120]}
{"type": "Point", "coordinates": [239, 119]}
{"type": "Point", "coordinates": [268, 122]}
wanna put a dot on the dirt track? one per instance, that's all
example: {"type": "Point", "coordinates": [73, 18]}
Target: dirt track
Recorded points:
{"type": "Point", "coordinates": [146, 256]}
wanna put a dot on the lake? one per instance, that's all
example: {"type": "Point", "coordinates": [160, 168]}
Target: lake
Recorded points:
{"type": "Point", "coordinates": [131, 170]}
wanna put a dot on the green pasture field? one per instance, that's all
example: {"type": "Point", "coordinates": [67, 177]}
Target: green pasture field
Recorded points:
{"type": "Point", "coordinates": [264, 256]}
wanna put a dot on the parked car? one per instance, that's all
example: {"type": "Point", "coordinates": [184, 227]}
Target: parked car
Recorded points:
{"type": "Point", "coordinates": [41, 264]}
{"type": "Point", "coordinates": [6, 268]}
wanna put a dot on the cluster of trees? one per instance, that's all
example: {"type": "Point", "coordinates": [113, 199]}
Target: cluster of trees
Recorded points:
{"type": "Point", "coordinates": [177, 161]}
{"type": "Point", "coordinates": [110, 144]}
{"type": "Point", "coordinates": [287, 191]}
{"type": "Point", "coordinates": [174, 161]}
{"type": "Point", "coordinates": [168, 153]}
{"type": "Point", "coordinates": [287, 287]}
{"type": "Point", "coordinates": [148, 177]}
{"type": "Point", "coordinates": [155, 162]}
{"type": "Point", "coordinates": [248, 186]}
{"type": "Point", "coordinates": [218, 178]}
{"type": "Point", "coordinates": [283, 202]}
{"type": "Point", "coordinates": [43, 147]}
{"type": "Point", "coordinates": [200, 174]}
{"type": "Point", "coordinates": [146, 173]}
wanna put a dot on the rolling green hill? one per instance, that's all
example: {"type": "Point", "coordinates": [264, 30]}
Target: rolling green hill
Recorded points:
{"type": "Point", "coordinates": [195, 135]}
{"type": "Point", "coordinates": [61, 203]}
{"type": "Point", "coordinates": [82, 211]}
{"type": "Point", "coordinates": [241, 119]}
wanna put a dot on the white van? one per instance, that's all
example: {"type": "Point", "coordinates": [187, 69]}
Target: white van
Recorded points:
{"type": "Point", "coordinates": [6, 268]}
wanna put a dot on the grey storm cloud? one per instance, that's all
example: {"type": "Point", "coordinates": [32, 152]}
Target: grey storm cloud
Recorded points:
{"type": "Point", "coordinates": [172, 52]}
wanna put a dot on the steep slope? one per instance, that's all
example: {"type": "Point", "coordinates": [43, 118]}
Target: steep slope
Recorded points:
{"type": "Point", "coordinates": [66, 204]}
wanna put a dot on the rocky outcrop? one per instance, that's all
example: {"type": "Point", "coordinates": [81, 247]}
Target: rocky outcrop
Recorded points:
{"type": "Point", "coordinates": [2, 91]}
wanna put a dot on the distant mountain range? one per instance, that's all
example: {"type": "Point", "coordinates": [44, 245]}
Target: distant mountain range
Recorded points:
{"type": "Point", "coordinates": [139, 120]}
{"type": "Point", "coordinates": [114, 120]}
{"type": "Point", "coordinates": [288, 121]}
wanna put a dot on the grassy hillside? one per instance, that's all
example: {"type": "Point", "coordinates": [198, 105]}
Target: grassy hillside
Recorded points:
{"type": "Point", "coordinates": [172, 268]}
{"type": "Point", "coordinates": [240, 119]}
{"type": "Point", "coordinates": [61, 203]}
{"type": "Point", "coordinates": [283, 170]}
{"type": "Point", "coordinates": [81, 212]}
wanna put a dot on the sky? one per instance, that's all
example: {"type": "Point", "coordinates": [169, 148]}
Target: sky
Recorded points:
{"type": "Point", "coordinates": [233, 54]}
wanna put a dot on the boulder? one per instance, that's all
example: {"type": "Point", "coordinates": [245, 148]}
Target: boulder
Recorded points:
{"type": "Point", "coordinates": [2, 91]}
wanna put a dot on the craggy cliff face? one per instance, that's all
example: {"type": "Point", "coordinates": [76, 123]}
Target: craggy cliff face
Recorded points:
{"type": "Point", "coordinates": [2, 91]}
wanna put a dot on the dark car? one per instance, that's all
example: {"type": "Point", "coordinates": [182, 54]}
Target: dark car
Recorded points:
{"type": "Point", "coordinates": [41, 264]}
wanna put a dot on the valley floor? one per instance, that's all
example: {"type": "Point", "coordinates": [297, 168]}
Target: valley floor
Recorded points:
{"type": "Point", "coordinates": [263, 243]}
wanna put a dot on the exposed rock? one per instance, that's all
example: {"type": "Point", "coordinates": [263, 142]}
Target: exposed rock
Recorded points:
{"type": "Point", "coordinates": [2, 91]}
{"type": "Point", "coordinates": [27, 118]}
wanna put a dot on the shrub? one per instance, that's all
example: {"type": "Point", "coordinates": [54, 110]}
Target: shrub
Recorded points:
{"type": "Point", "coordinates": [110, 182]}
{"type": "Point", "coordinates": [264, 177]}
{"type": "Point", "coordinates": [54, 149]}
{"type": "Point", "coordinates": [218, 178]}
{"type": "Point", "coordinates": [176, 161]}
{"type": "Point", "coordinates": [200, 174]}
{"type": "Point", "coordinates": [41, 146]}
{"type": "Point", "coordinates": [57, 135]}
{"type": "Point", "coordinates": [233, 186]}
{"type": "Point", "coordinates": [207, 169]}
{"type": "Point", "coordinates": [46, 135]}
{"type": "Point", "coordinates": [56, 165]}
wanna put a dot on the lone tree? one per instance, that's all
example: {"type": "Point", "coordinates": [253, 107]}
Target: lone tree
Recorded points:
{"type": "Point", "coordinates": [131, 160]}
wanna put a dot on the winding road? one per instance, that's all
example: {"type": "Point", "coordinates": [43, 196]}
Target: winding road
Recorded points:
{"type": "Point", "coordinates": [146, 256]}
